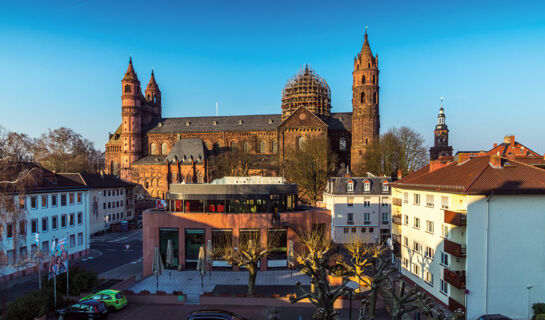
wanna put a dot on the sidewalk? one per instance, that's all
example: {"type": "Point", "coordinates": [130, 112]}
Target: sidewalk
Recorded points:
{"type": "Point", "coordinates": [124, 272]}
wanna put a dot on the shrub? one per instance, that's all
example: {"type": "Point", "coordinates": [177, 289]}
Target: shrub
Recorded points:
{"type": "Point", "coordinates": [538, 308]}
{"type": "Point", "coordinates": [33, 304]}
{"type": "Point", "coordinates": [81, 280]}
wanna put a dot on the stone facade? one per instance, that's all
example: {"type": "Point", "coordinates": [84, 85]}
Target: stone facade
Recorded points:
{"type": "Point", "coordinates": [141, 149]}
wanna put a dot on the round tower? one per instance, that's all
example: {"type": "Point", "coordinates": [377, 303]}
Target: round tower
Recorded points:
{"type": "Point", "coordinates": [365, 103]}
{"type": "Point", "coordinates": [131, 120]}
{"type": "Point", "coordinates": [153, 96]}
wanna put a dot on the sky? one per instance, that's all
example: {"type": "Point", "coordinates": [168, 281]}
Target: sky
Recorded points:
{"type": "Point", "coordinates": [61, 62]}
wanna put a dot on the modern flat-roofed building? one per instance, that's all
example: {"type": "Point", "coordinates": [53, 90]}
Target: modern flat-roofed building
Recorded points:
{"type": "Point", "coordinates": [230, 208]}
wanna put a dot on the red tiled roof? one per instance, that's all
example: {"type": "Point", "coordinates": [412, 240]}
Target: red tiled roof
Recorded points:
{"type": "Point", "coordinates": [478, 176]}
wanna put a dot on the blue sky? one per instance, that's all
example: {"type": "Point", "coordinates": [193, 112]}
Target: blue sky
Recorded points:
{"type": "Point", "coordinates": [61, 62]}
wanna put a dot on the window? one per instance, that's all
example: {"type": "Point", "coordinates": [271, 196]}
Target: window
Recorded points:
{"type": "Point", "coordinates": [71, 220]}
{"type": "Point", "coordinates": [127, 88]}
{"type": "Point", "coordinates": [349, 218]}
{"type": "Point", "coordinates": [164, 148]}
{"type": "Point", "coordinates": [416, 223]}
{"type": "Point", "coordinates": [9, 230]}
{"type": "Point", "coordinates": [45, 248]}
{"type": "Point", "coordinates": [444, 287]}
{"type": "Point", "coordinates": [345, 230]}
{"type": "Point", "coordinates": [444, 202]}
{"type": "Point", "coordinates": [72, 240]}
{"type": "Point", "coordinates": [429, 200]}
{"type": "Point", "coordinates": [362, 97]}
{"type": "Point", "coordinates": [385, 202]}
{"type": "Point", "coordinates": [416, 269]}
{"type": "Point", "coordinates": [428, 277]}
{"type": "Point", "coordinates": [80, 238]}
{"type": "Point", "coordinates": [342, 144]}
{"type": "Point", "coordinates": [353, 230]}
{"type": "Point", "coordinates": [53, 200]}
{"type": "Point", "coordinates": [385, 218]}
{"type": "Point", "coordinates": [366, 218]}
{"type": "Point", "coordinates": [371, 230]}
{"type": "Point", "coordinates": [367, 202]}
{"type": "Point", "coordinates": [350, 186]}
{"type": "Point", "coordinates": [274, 146]}
{"type": "Point", "coordinates": [416, 198]}
{"type": "Point", "coordinates": [350, 201]}
{"type": "Point", "coordinates": [79, 197]}
{"type": "Point", "coordinates": [363, 79]}
{"type": "Point", "coordinates": [367, 186]}
{"type": "Point", "coordinates": [153, 151]}
{"type": "Point", "coordinates": [429, 226]}
{"type": "Point", "coordinates": [71, 198]}
{"type": "Point", "coordinates": [22, 201]}
{"type": "Point", "coordinates": [405, 241]}
{"type": "Point", "coordinates": [429, 253]}
{"type": "Point", "coordinates": [109, 205]}
{"type": "Point", "coordinates": [80, 218]}
{"type": "Point", "coordinates": [262, 147]}
{"type": "Point", "coordinates": [374, 79]}
{"type": "Point", "coordinates": [444, 231]}
{"type": "Point", "coordinates": [385, 187]}
{"type": "Point", "coordinates": [34, 226]}
{"type": "Point", "coordinates": [363, 229]}
{"type": "Point", "coordinates": [54, 222]}
{"type": "Point", "coordinates": [300, 143]}
{"type": "Point", "coordinates": [63, 221]}
{"type": "Point", "coordinates": [104, 205]}
{"type": "Point", "coordinates": [405, 197]}
{"type": "Point", "coordinates": [23, 253]}
{"type": "Point", "coordinates": [417, 247]}
{"type": "Point", "coordinates": [63, 200]}
{"type": "Point", "coordinates": [33, 202]}
{"type": "Point", "coordinates": [405, 263]}
{"type": "Point", "coordinates": [44, 201]}
{"type": "Point", "coordinates": [375, 97]}
{"type": "Point", "coordinates": [22, 228]}
{"type": "Point", "coordinates": [109, 193]}
{"type": "Point", "coordinates": [444, 259]}
{"type": "Point", "coordinates": [45, 224]}
{"type": "Point", "coordinates": [406, 220]}
{"type": "Point", "coordinates": [246, 146]}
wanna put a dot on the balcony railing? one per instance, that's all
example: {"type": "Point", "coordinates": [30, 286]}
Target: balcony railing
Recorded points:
{"type": "Point", "coordinates": [454, 248]}
{"type": "Point", "coordinates": [455, 278]}
{"type": "Point", "coordinates": [396, 201]}
{"type": "Point", "coordinates": [454, 305]}
{"type": "Point", "coordinates": [455, 218]}
{"type": "Point", "coordinates": [396, 219]}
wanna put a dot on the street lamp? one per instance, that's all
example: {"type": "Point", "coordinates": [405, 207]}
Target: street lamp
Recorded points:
{"type": "Point", "coordinates": [529, 287]}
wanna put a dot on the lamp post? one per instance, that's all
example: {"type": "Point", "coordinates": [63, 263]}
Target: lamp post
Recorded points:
{"type": "Point", "coordinates": [529, 287]}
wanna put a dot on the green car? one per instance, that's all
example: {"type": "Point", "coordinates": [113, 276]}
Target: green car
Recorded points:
{"type": "Point", "coordinates": [113, 299]}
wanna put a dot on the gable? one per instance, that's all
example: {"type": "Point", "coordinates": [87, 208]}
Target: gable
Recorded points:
{"type": "Point", "coordinates": [302, 117]}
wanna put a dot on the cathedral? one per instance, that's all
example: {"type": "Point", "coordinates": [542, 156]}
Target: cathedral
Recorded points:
{"type": "Point", "coordinates": [154, 151]}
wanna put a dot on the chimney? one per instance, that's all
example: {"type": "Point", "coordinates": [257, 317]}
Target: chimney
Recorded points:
{"type": "Point", "coordinates": [495, 144]}
{"type": "Point", "coordinates": [495, 161]}
{"type": "Point", "coordinates": [510, 140]}
{"type": "Point", "coordinates": [400, 174]}
{"type": "Point", "coordinates": [463, 157]}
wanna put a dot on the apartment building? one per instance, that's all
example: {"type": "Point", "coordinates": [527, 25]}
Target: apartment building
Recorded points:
{"type": "Point", "coordinates": [111, 199]}
{"type": "Point", "coordinates": [360, 208]}
{"type": "Point", "coordinates": [470, 233]}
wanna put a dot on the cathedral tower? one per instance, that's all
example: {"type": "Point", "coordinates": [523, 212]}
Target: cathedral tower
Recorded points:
{"type": "Point", "coordinates": [365, 102]}
{"type": "Point", "coordinates": [153, 96]}
{"type": "Point", "coordinates": [131, 122]}
{"type": "Point", "coordinates": [440, 145]}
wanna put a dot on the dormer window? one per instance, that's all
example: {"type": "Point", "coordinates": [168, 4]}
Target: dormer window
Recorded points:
{"type": "Point", "coordinates": [350, 186]}
{"type": "Point", "coordinates": [367, 186]}
{"type": "Point", "coordinates": [385, 187]}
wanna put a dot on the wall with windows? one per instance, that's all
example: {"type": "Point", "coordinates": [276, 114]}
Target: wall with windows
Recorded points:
{"type": "Point", "coordinates": [109, 206]}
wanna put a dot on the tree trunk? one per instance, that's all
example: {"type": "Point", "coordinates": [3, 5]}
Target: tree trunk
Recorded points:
{"type": "Point", "coordinates": [252, 275]}
{"type": "Point", "coordinates": [373, 303]}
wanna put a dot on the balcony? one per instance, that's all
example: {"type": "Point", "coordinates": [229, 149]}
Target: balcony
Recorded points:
{"type": "Point", "coordinates": [454, 305]}
{"type": "Point", "coordinates": [455, 278]}
{"type": "Point", "coordinates": [397, 249]}
{"type": "Point", "coordinates": [396, 201]}
{"type": "Point", "coordinates": [396, 219]}
{"type": "Point", "coordinates": [455, 218]}
{"type": "Point", "coordinates": [454, 248]}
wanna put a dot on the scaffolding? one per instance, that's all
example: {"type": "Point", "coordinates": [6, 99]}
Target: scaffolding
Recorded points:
{"type": "Point", "coordinates": [306, 89]}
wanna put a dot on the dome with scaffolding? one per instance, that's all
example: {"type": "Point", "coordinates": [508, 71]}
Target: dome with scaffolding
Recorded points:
{"type": "Point", "coordinates": [306, 89]}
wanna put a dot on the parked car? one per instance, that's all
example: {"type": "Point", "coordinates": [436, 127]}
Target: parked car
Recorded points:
{"type": "Point", "coordinates": [214, 314]}
{"type": "Point", "coordinates": [113, 299]}
{"type": "Point", "coordinates": [493, 317]}
{"type": "Point", "coordinates": [89, 309]}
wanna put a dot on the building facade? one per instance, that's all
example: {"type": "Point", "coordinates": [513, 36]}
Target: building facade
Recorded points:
{"type": "Point", "coordinates": [111, 200]}
{"type": "Point", "coordinates": [232, 209]}
{"type": "Point", "coordinates": [360, 208]}
{"type": "Point", "coordinates": [154, 151]}
{"type": "Point", "coordinates": [451, 234]}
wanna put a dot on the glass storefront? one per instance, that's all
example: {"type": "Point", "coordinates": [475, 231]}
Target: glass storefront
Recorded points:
{"type": "Point", "coordinates": [278, 257]}
{"type": "Point", "coordinates": [166, 234]}
{"type": "Point", "coordinates": [221, 238]}
{"type": "Point", "coordinates": [194, 239]}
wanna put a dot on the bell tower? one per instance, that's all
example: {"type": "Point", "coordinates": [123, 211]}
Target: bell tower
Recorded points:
{"type": "Point", "coordinates": [440, 142]}
{"type": "Point", "coordinates": [365, 103]}
{"type": "Point", "coordinates": [131, 122]}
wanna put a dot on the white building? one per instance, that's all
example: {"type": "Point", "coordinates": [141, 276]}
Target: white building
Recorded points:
{"type": "Point", "coordinates": [110, 200]}
{"type": "Point", "coordinates": [472, 234]}
{"type": "Point", "coordinates": [360, 207]}
{"type": "Point", "coordinates": [54, 209]}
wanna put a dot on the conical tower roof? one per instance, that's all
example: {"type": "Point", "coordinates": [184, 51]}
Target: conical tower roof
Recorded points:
{"type": "Point", "coordinates": [366, 49]}
{"type": "Point", "coordinates": [152, 84]}
{"type": "Point", "coordinates": [130, 74]}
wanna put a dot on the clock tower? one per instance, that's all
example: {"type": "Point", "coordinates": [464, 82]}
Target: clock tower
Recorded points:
{"type": "Point", "coordinates": [440, 147]}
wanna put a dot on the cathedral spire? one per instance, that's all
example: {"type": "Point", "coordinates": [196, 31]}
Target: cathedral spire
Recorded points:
{"type": "Point", "coordinates": [130, 74]}
{"type": "Point", "coordinates": [152, 83]}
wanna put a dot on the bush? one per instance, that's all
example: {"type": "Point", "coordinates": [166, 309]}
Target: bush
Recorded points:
{"type": "Point", "coordinates": [81, 280]}
{"type": "Point", "coordinates": [539, 316]}
{"type": "Point", "coordinates": [33, 304]}
{"type": "Point", "coordinates": [538, 308]}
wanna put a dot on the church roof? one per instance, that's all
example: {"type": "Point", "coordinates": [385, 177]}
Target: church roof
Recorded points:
{"type": "Point", "coordinates": [186, 149]}
{"type": "Point", "coordinates": [262, 122]}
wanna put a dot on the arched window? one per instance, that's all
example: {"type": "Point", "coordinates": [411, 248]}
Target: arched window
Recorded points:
{"type": "Point", "coordinates": [375, 98]}
{"type": "Point", "coordinates": [188, 179]}
{"type": "Point", "coordinates": [147, 184]}
{"type": "Point", "coordinates": [274, 146]}
{"type": "Point", "coordinates": [234, 146]}
{"type": "Point", "coordinates": [199, 177]}
{"type": "Point", "coordinates": [300, 143]}
{"type": "Point", "coordinates": [362, 97]}
{"type": "Point", "coordinates": [246, 146]}
{"type": "Point", "coordinates": [127, 88]}
{"type": "Point", "coordinates": [154, 98]}
{"type": "Point", "coordinates": [369, 65]}
{"type": "Point", "coordinates": [374, 80]}
{"type": "Point", "coordinates": [217, 147]}
{"type": "Point", "coordinates": [367, 185]}
{"type": "Point", "coordinates": [342, 144]}
{"type": "Point", "coordinates": [164, 148]}
{"type": "Point", "coordinates": [366, 141]}
{"type": "Point", "coordinates": [153, 149]}
{"type": "Point", "coordinates": [262, 147]}
{"type": "Point", "coordinates": [363, 79]}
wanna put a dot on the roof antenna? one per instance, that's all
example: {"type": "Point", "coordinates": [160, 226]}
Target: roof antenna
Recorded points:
{"type": "Point", "coordinates": [217, 111]}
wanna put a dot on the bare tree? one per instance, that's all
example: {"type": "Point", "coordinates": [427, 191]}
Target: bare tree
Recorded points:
{"type": "Point", "coordinates": [250, 251]}
{"type": "Point", "coordinates": [316, 260]}
{"type": "Point", "coordinates": [230, 163]}
{"type": "Point", "coordinates": [17, 146]}
{"type": "Point", "coordinates": [310, 167]}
